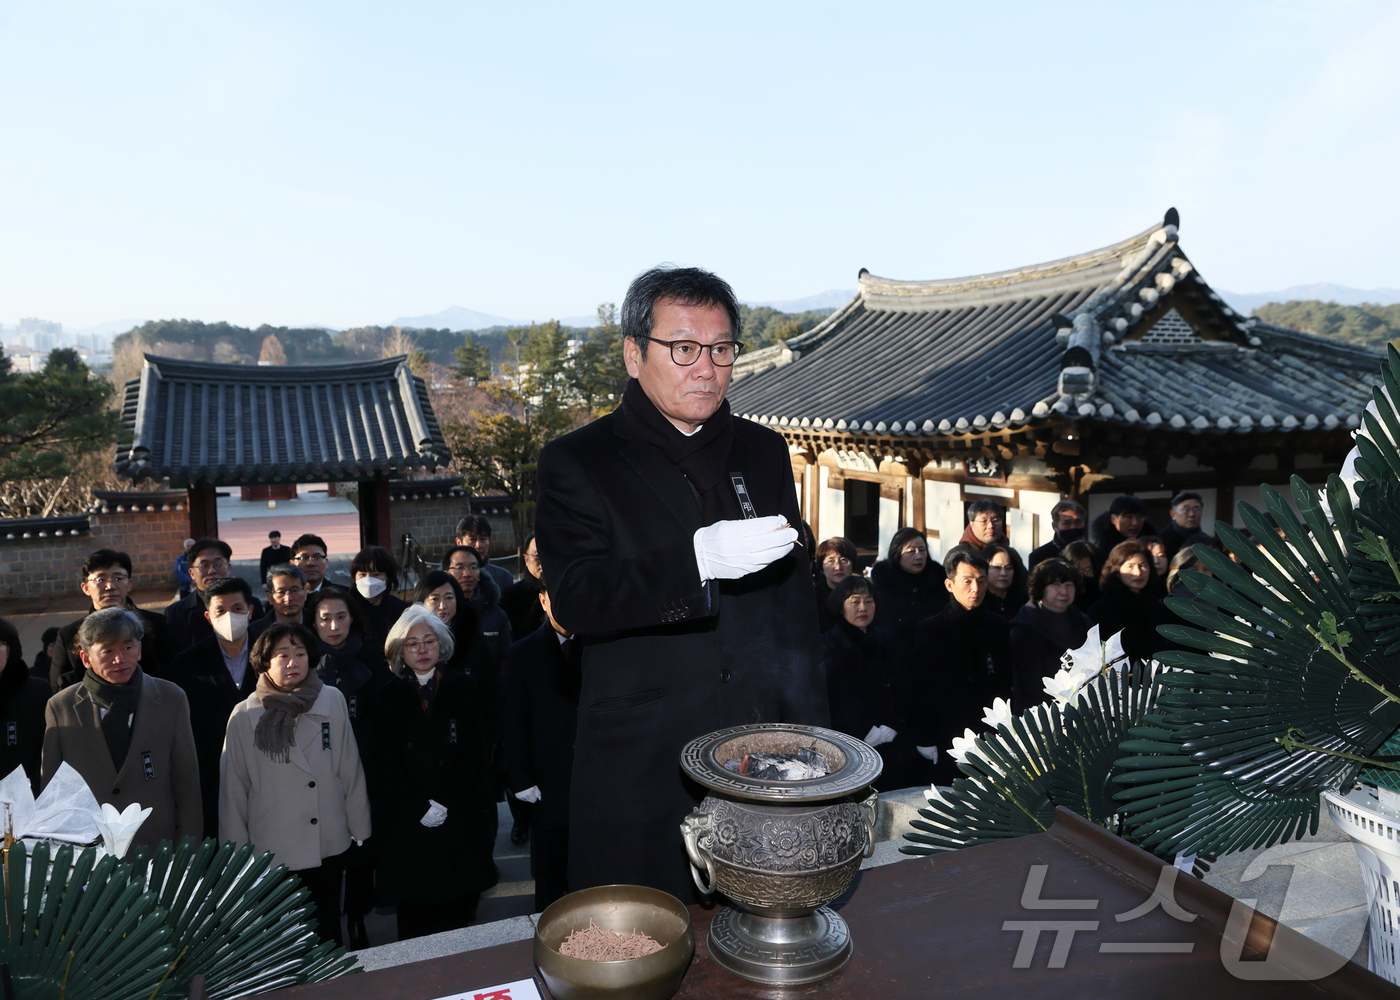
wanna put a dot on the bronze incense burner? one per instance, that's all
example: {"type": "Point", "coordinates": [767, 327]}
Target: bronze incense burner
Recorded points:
{"type": "Point", "coordinates": [780, 850]}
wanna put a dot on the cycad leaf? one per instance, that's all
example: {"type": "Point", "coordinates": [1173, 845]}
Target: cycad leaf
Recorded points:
{"type": "Point", "coordinates": [1050, 755]}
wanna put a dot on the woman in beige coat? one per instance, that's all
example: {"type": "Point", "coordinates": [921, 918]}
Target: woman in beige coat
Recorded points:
{"type": "Point", "coordinates": [291, 781]}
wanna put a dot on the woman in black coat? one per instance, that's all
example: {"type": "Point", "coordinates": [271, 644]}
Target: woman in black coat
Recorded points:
{"type": "Point", "coordinates": [910, 585]}
{"type": "Point", "coordinates": [345, 661]}
{"type": "Point", "coordinates": [1128, 604]}
{"type": "Point", "coordinates": [521, 600]}
{"type": "Point", "coordinates": [867, 684]}
{"type": "Point", "coordinates": [1006, 582]}
{"type": "Point", "coordinates": [22, 701]}
{"type": "Point", "coordinates": [429, 787]}
{"type": "Point", "coordinates": [376, 574]}
{"type": "Point", "coordinates": [836, 560]}
{"type": "Point", "coordinates": [1082, 556]}
{"type": "Point", "coordinates": [1043, 630]}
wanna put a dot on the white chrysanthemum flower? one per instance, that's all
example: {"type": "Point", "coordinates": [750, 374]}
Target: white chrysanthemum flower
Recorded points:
{"type": "Point", "coordinates": [999, 714]}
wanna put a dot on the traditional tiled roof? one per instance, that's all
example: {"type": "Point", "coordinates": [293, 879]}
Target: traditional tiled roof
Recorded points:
{"type": "Point", "coordinates": [1129, 335]}
{"type": "Point", "coordinates": [231, 424]}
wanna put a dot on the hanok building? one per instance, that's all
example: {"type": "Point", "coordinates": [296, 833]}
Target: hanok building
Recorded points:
{"type": "Point", "coordinates": [1114, 371]}
{"type": "Point", "coordinates": [201, 426]}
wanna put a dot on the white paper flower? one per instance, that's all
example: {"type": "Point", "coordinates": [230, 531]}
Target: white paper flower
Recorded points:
{"type": "Point", "coordinates": [1062, 687]}
{"type": "Point", "coordinates": [999, 714]}
{"type": "Point", "coordinates": [1088, 657]}
{"type": "Point", "coordinates": [117, 828]}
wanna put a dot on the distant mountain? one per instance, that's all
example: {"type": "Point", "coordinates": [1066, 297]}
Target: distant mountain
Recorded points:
{"type": "Point", "coordinates": [454, 318]}
{"type": "Point", "coordinates": [1323, 291]}
{"type": "Point", "coordinates": [833, 299]}
{"type": "Point", "coordinates": [109, 329]}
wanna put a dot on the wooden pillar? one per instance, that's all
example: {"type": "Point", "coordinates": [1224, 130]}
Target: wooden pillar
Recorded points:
{"type": "Point", "coordinates": [202, 501]}
{"type": "Point", "coordinates": [374, 512]}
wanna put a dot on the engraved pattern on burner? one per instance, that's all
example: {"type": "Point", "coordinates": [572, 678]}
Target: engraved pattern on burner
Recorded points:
{"type": "Point", "coordinates": [726, 937]}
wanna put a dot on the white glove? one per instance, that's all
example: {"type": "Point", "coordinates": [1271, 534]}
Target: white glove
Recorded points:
{"type": "Point", "coordinates": [436, 814]}
{"type": "Point", "coordinates": [880, 734]}
{"type": "Point", "coordinates": [729, 550]}
{"type": "Point", "coordinates": [531, 794]}
{"type": "Point", "coordinates": [928, 753]}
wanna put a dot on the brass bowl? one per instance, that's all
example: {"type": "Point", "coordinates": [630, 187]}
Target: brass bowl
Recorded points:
{"type": "Point", "coordinates": [619, 908]}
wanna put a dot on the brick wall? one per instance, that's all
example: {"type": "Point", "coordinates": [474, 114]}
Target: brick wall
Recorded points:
{"type": "Point", "coordinates": [432, 519]}
{"type": "Point", "coordinates": [149, 527]}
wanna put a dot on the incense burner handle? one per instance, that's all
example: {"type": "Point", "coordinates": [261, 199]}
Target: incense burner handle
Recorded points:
{"type": "Point", "coordinates": [871, 807]}
{"type": "Point", "coordinates": [698, 824]}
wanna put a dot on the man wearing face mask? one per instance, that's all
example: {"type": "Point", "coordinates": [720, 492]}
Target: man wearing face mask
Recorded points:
{"type": "Point", "coordinates": [187, 620]}
{"type": "Point", "coordinates": [215, 677]}
{"type": "Point", "coordinates": [1068, 519]}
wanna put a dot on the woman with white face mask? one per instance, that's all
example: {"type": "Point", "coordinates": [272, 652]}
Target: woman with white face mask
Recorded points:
{"type": "Point", "coordinates": [376, 575]}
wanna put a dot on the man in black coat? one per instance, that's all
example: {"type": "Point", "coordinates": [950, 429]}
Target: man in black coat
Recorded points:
{"type": "Point", "coordinates": [1125, 518]}
{"type": "Point", "coordinates": [107, 582]}
{"type": "Point", "coordinates": [215, 675]}
{"type": "Point", "coordinates": [1187, 508]}
{"type": "Point", "coordinates": [274, 555]}
{"type": "Point", "coordinates": [1068, 520]}
{"type": "Point", "coordinates": [186, 619]}
{"type": "Point", "coordinates": [961, 663]}
{"type": "Point", "coordinates": [666, 530]}
{"type": "Point", "coordinates": [539, 708]}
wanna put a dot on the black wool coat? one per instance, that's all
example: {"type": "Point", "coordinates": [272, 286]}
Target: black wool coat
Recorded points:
{"type": "Point", "coordinates": [200, 673]}
{"type": "Point", "coordinates": [67, 667]}
{"type": "Point", "coordinates": [416, 756]}
{"type": "Point", "coordinates": [961, 662]}
{"type": "Point", "coordinates": [867, 684]}
{"type": "Point", "coordinates": [1136, 616]}
{"type": "Point", "coordinates": [539, 713]}
{"type": "Point", "coordinates": [903, 599]}
{"type": "Point", "coordinates": [521, 603]}
{"type": "Point", "coordinates": [360, 683]}
{"type": "Point", "coordinates": [666, 658]}
{"type": "Point", "coordinates": [22, 702]}
{"type": "Point", "coordinates": [1038, 638]}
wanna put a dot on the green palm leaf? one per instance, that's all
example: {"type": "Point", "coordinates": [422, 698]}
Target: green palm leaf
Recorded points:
{"type": "Point", "coordinates": [81, 931]}
{"type": "Point", "coordinates": [238, 921]}
{"type": "Point", "coordinates": [1051, 755]}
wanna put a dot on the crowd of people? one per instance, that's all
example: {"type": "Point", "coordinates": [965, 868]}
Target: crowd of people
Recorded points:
{"type": "Point", "coordinates": [916, 650]}
{"type": "Point", "coordinates": [357, 735]}
{"type": "Point", "coordinates": [365, 738]}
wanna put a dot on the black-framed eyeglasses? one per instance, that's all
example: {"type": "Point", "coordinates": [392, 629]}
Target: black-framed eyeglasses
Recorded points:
{"type": "Point", "coordinates": [686, 352]}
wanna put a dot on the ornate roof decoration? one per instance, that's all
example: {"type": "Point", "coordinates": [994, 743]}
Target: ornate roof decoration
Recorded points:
{"type": "Point", "coordinates": [233, 424]}
{"type": "Point", "coordinates": [1129, 335]}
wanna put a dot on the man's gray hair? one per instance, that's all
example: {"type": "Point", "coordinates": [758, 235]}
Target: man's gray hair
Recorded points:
{"type": "Point", "coordinates": [414, 615]}
{"type": "Point", "coordinates": [284, 569]}
{"type": "Point", "coordinates": [109, 625]}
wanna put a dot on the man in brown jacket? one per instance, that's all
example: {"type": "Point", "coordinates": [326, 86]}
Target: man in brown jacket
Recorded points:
{"type": "Point", "coordinates": [127, 734]}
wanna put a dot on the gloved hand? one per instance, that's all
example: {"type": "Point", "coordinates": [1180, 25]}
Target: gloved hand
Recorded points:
{"type": "Point", "coordinates": [928, 753]}
{"type": "Point", "coordinates": [729, 550]}
{"type": "Point", "coordinates": [531, 794]}
{"type": "Point", "coordinates": [880, 734]}
{"type": "Point", "coordinates": [436, 814]}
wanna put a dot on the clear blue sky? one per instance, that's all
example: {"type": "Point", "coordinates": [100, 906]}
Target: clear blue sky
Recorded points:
{"type": "Point", "coordinates": [347, 163]}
